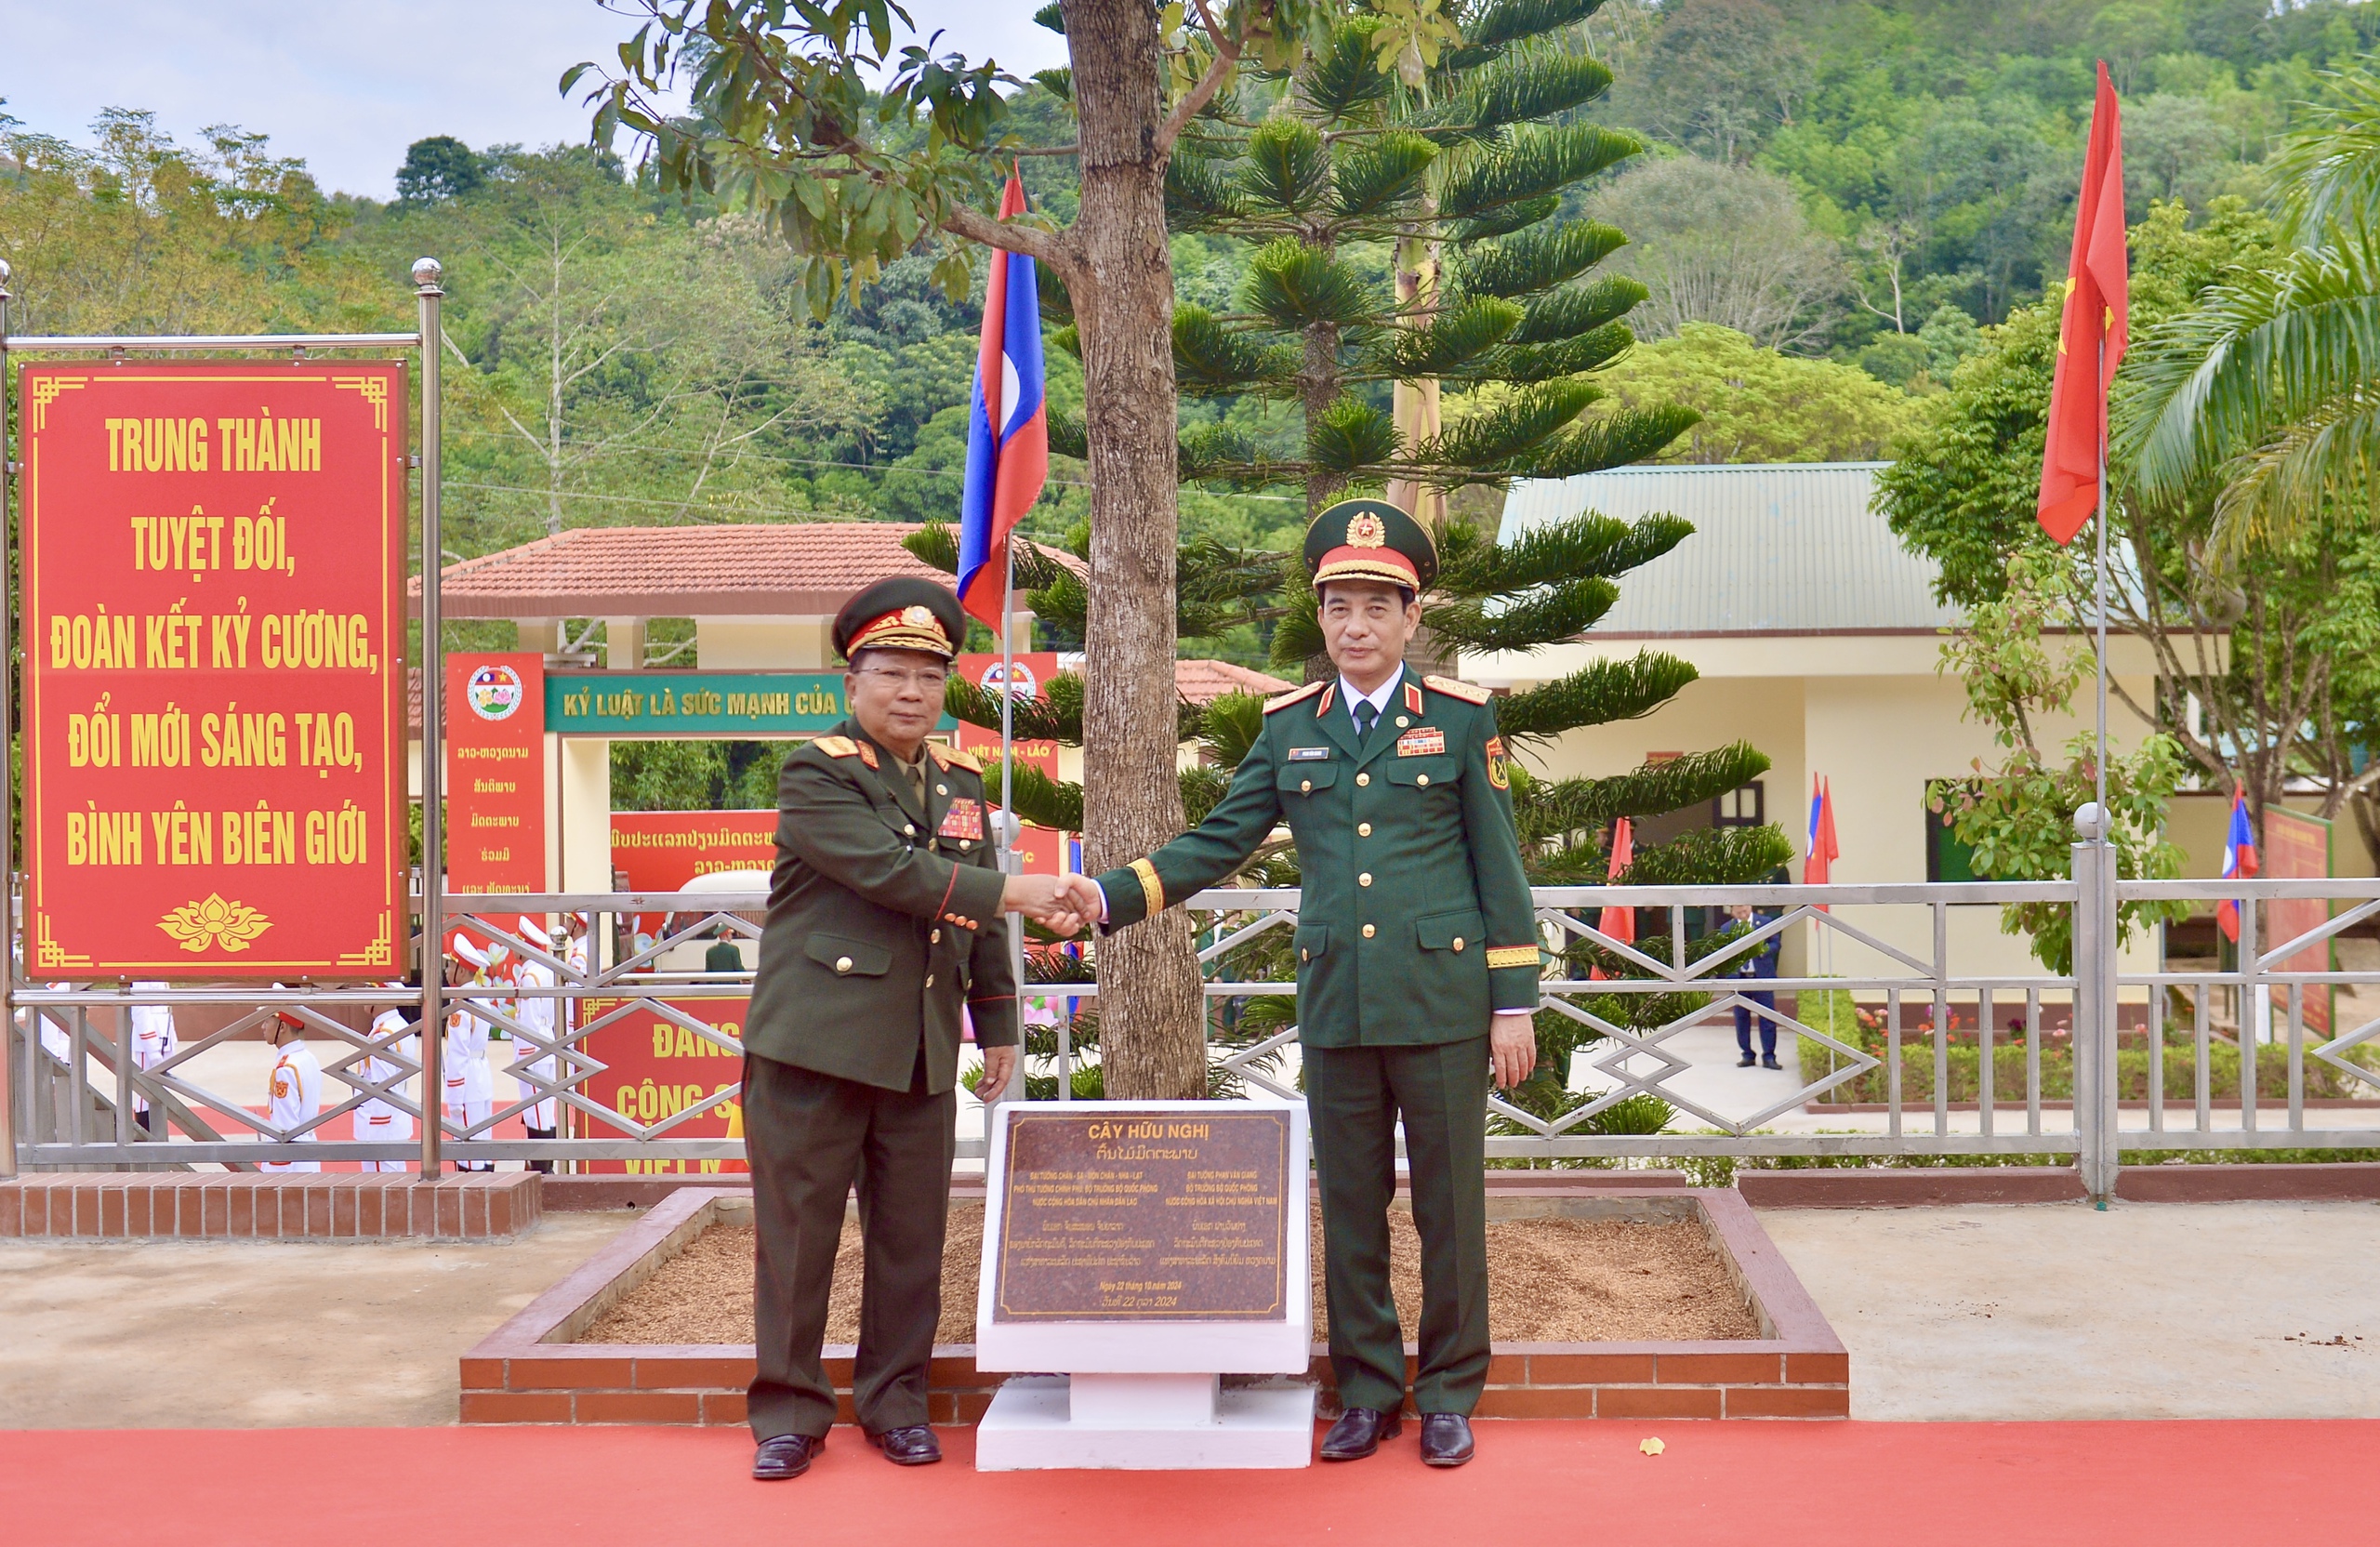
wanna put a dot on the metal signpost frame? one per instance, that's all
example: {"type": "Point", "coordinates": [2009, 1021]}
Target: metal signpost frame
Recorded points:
{"type": "Point", "coordinates": [13, 1100]}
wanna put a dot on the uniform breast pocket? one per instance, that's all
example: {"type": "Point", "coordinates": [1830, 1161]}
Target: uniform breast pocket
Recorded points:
{"type": "Point", "coordinates": [1430, 772]}
{"type": "Point", "coordinates": [1304, 778]}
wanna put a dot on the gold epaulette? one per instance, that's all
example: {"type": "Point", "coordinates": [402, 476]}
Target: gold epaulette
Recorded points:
{"type": "Point", "coordinates": [1468, 691]}
{"type": "Point", "coordinates": [836, 746]}
{"type": "Point", "coordinates": [1296, 695]}
{"type": "Point", "coordinates": [951, 757]}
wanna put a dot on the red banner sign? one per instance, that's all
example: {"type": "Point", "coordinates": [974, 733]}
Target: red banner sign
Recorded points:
{"type": "Point", "coordinates": [654, 1068]}
{"type": "Point", "coordinates": [213, 777]}
{"type": "Point", "coordinates": [661, 850]}
{"type": "Point", "coordinates": [495, 773]}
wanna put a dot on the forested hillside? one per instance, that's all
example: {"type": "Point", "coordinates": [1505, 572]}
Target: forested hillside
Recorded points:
{"type": "Point", "coordinates": [1835, 196]}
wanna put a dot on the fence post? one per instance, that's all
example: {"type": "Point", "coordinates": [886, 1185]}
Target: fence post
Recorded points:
{"type": "Point", "coordinates": [2094, 1003]}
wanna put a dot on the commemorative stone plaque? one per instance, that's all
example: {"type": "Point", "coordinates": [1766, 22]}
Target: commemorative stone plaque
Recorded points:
{"type": "Point", "coordinates": [1145, 1217]}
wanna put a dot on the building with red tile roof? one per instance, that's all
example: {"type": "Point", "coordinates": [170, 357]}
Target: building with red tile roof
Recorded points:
{"type": "Point", "coordinates": [809, 569]}
{"type": "Point", "coordinates": [1203, 681]}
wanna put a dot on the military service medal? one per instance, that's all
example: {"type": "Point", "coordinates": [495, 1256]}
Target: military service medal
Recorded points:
{"type": "Point", "coordinates": [964, 819]}
{"type": "Point", "coordinates": [1427, 742]}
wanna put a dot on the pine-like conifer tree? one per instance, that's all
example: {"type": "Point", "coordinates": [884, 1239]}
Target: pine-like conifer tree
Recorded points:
{"type": "Point", "coordinates": [1406, 230]}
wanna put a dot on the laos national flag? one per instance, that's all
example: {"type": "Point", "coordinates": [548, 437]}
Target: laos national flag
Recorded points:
{"type": "Point", "coordinates": [2238, 862]}
{"type": "Point", "coordinates": [1008, 426]}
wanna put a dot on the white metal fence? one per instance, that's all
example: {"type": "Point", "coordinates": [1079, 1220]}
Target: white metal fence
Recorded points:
{"type": "Point", "coordinates": [1894, 1044]}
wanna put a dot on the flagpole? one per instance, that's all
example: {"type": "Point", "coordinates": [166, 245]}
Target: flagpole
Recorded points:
{"type": "Point", "coordinates": [1008, 862]}
{"type": "Point", "coordinates": [2101, 768]}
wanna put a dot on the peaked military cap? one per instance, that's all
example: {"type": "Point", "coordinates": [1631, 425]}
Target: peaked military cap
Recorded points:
{"type": "Point", "coordinates": [904, 613]}
{"type": "Point", "coordinates": [1370, 540]}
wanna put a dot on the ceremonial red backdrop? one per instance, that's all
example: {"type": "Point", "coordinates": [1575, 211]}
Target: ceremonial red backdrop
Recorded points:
{"type": "Point", "coordinates": [654, 1068]}
{"type": "Point", "coordinates": [212, 557]}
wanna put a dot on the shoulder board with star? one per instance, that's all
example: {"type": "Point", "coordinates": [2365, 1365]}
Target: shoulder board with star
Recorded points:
{"type": "Point", "coordinates": [1297, 696]}
{"type": "Point", "coordinates": [1469, 692]}
{"type": "Point", "coordinates": [836, 746]}
{"type": "Point", "coordinates": [951, 757]}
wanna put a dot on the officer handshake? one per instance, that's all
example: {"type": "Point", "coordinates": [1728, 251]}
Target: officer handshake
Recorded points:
{"type": "Point", "coordinates": [1051, 901]}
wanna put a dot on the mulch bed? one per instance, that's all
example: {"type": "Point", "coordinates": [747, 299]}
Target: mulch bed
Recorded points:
{"type": "Point", "coordinates": [1550, 1280]}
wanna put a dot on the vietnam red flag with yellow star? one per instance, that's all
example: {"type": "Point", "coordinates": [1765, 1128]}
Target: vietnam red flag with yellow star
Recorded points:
{"type": "Point", "coordinates": [2091, 335]}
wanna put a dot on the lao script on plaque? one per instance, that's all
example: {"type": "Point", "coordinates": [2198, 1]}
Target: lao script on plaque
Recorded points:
{"type": "Point", "coordinates": [1125, 1216]}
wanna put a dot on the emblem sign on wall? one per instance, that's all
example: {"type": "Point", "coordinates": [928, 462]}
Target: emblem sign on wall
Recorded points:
{"type": "Point", "coordinates": [212, 554]}
{"type": "Point", "coordinates": [495, 773]}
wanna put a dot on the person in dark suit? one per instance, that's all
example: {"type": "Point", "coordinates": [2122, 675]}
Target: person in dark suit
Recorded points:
{"type": "Point", "coordinates": [885, 923]}
{"type": "Point", "coordinates": [1758, 963]}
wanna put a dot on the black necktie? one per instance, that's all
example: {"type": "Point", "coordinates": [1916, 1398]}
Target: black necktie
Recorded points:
{"type": "Point", "coordinates": [1366, 715]}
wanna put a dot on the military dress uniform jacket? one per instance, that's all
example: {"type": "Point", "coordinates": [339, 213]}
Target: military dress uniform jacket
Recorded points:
{"type": "Point", "coordinates": [1416, 922]}
{"type": "Point", "coordinates": [882, 918]}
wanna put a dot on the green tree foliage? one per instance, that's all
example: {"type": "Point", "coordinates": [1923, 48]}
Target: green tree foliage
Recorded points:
{"type": "Point", "coordinates": [1713, 242]}
{"type": "Point", "coordinates": [695, 776]}
{"type": "Point", "coordinates": [2287, 698]}
{"type": "Point", "coordinates": [1758, 406]}
{"type": "Point", "coordinates": [1400, 233]}
{"type": "Point", "coordinates": [2018, 817]}
{"type": "Point", "coordinates": [1719, 77]}
{"type": "Point", "coordinates": [437, 168]}
{"type": "Point", "coordinates": [1939, 140]}
{"type": "Point", "coordinates": [134, 234]}
{"type": "Point", "coordinates": [2270, 385]}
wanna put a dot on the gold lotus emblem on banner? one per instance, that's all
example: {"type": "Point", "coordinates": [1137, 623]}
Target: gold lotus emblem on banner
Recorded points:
{"type": "Point", "coordinates": [200, 926]}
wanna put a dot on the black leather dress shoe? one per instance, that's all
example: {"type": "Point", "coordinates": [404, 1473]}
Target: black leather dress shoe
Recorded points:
{"type": "Point", "coordinates": [1445, 1439]}
{"type": "Point", "coordinates": [783, 1456]}
{"type": "Point", "coordinates": [1358, 1433]}
{"type": "Point", "coordinates": [914, 1446]}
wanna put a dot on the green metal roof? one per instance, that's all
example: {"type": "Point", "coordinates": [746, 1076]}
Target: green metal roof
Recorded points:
{"type": "Point", "coordinates": [1778, 548]}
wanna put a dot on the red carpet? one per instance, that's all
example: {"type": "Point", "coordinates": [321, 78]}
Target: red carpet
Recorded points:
{"type": "Point", "coordinates": [1772, 1485]}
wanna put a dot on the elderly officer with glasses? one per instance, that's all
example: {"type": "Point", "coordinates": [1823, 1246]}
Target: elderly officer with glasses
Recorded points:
{"type": "Point", "coordinates": [885, 922]}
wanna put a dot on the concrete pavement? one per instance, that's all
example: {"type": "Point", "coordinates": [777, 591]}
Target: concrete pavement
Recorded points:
{"type": "Point", "coordinates": [2058, 1311]}
{"type": "Point", "coordinates": [2147, 1311]}
{"type": "Point", "coordinates": [255, 1334]}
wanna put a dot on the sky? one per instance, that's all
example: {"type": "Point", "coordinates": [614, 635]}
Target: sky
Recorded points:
{"type": "Point", "coordinates": [347, 85]}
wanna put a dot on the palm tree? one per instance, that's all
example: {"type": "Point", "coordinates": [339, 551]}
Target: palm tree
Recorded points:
{"type": "Point", "coordinates": [2268, 389]}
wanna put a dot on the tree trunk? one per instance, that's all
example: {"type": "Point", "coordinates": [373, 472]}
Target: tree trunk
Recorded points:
{"type": "Point", "coordinates": [1152, 1016]}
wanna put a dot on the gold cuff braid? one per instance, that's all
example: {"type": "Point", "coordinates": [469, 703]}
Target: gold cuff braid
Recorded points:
{"type": "Point", "coordinates": [1152, 889]}
{"type": "Point", "coordinates": [1512, 956]}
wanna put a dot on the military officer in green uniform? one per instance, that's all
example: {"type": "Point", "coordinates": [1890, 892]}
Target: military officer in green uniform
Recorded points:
{"type": "Point", "coordinates": [1417, 963]}
{"type": "Point", "coordinates": [885, 916]}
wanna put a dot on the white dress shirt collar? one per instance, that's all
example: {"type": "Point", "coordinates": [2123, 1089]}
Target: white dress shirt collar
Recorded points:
{"type": "Point", "coordinates": [1377, 698]}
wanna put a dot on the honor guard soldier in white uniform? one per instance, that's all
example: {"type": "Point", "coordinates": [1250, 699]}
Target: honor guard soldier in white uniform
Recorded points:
{"type": "Point", "coordinates": [296, 1093]}
{"type": "Point", "coordinates": [152, 1043]}
{"type": "Point", "coordinates": [376, 1119]}
{"type": "Point", "coordinates": [471, 1084]}
{"type": "Point", "coordinates": [535, 1016]}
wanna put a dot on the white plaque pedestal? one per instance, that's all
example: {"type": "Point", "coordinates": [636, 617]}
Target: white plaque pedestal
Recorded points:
{"type": "Point", "coordinates": [1144, 1423]}
{"type": "Point", "coordinates": [1147, 1395]}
